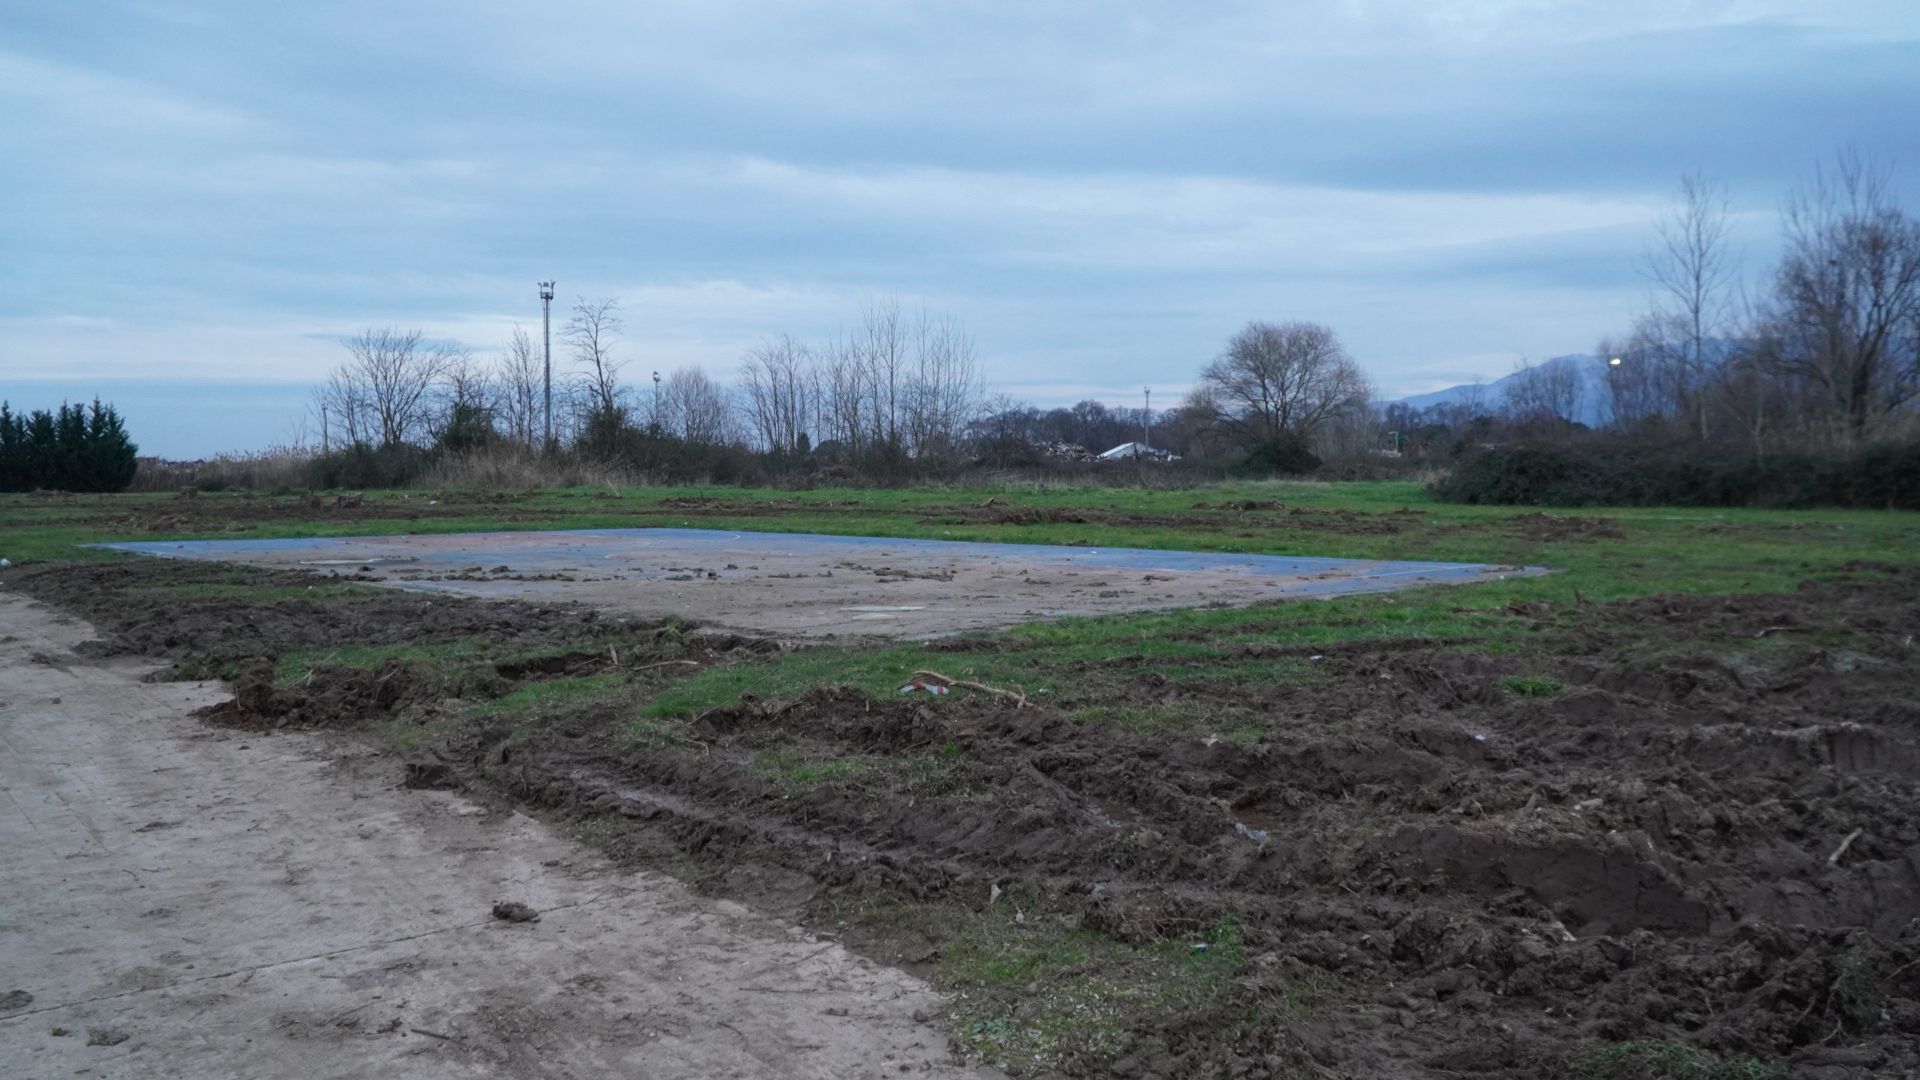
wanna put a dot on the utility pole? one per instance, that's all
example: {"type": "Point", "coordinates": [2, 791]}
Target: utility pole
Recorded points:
{"type": "Point", "coordinates": [326, 444]}
{"type": "Point", "coordinates": [656, 403]}
{"type": "Point", "coordinates": [1146, 423]}
{"type": "Point", "coordinates": [546, 350]}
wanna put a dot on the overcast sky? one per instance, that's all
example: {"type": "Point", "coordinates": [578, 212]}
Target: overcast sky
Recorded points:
{"type": "Point", "coordinates": [197, 199]}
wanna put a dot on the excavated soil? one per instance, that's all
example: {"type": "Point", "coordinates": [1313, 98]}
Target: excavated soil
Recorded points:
{"type": "Point", "coordinates": [1658, 852]}
{"type": "Point", "coordinates": [1495, 864]}
{"type": "Point", "coordinates": [174, 610]}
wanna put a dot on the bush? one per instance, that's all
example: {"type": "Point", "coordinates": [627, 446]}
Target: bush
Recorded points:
{"type": "Point", "coordinates": [363, 466]}
{"type": "Point", "coordinates": [76, 448]}
{"type": "Point", "coordinates": [1287, 454]}
{"type": "Point", "coordinates": [1621, 472]}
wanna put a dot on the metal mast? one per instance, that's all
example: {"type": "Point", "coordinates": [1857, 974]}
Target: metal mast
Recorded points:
{"type": "Point", "coordinates": [546, 350]}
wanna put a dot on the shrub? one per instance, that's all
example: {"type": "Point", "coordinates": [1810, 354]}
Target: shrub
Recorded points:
{"type": "Point", "coordinates": [1621, 472]}
{"type": "Point", "coordinates": [363, 466]}
{"type": "Point", "coordinates": [1287, 454]}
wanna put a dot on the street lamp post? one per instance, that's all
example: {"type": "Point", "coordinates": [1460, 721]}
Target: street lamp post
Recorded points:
{"type": "Point", "coordinates": [1613, 389]}
{"type": "Point", "coordinates": [656, 403]}
{"type": "Point", "coordinates": [546, 353]}
{"type": "Point", "coordinates": [1146, 423]}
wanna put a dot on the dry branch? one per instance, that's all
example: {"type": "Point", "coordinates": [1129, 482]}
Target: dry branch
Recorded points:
{"type": "Point", "coordinates": [1834, 859]}
{"type": "Point", "coordinates": [1019, 699]}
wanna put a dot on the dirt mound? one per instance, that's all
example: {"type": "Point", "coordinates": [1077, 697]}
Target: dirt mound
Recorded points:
{"type": "Point", "coordinates": [1649, 852]}
{"type": "Point", "coordinates": [330, 696]}
{"type": "Point", "coordinates": [1544, 527]}
{"type": "Point", "coordinates": [1356, 522]}
{"type": "Point", "coordinates": [1495, 864]}
{"type": "Point", "coordinates": [214, 615]}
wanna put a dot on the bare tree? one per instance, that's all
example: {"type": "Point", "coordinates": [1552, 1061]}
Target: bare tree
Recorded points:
{"type": "Point", "coordinates": [1846, 299]}
{"type": "Point", "coordinates": [842, 382]}
{"type": "Point", "coordinates": [1196, 425]}
{"type": "Point", "coordinates": [591, 332]}
{"type": "Point", "coordinates": [342, 408]}
{"type": "Point", "coordinates": [881, 343]}
{"type": "Point", "coordinates": [776, 385]}
{"type": "Point", "coordinates": [465, 405]}
{"type": "Point", "coordinates": [1548, 393]}
{"type": "Point", "coordinates": [694, 408]}
{"type": "Point", "coordinates": [1691, 269]}
{"type": "Point", "coordinates": [1283, 378]}
{"type": "Point", "coordinates": [1633, 386]}
{"type": "Point", "coordinates": [385, 388]}
{"type": "Point", "coordinates": [520, 388]}
{"type": "Point", "coordinates": [1354, 433]}
{"type": "Point", "coordinates": [943, 394]}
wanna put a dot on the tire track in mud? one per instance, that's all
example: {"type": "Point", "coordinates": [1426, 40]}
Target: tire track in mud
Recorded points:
{"type": "Point", "coordinates": [1498, 883]}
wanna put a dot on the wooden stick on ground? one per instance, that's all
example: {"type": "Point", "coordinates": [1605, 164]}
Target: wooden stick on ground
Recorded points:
{"type": "Point", "coordinates": [668, 663]}
{"type": "Point", "coordinates": [1834, 859]}
{"type": "Point", "coordinates": [1019, 700]}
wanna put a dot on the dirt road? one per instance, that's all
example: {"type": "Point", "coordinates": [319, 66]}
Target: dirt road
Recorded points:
{"type": "Point", "coordinates": [184, 901]}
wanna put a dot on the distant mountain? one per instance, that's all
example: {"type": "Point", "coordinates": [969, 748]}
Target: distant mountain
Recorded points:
{"type": "Point", "coordinates": [1593, 389]}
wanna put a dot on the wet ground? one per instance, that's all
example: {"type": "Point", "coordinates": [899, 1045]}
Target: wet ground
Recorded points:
{"type": "Point", "coordinates": [793, 585]}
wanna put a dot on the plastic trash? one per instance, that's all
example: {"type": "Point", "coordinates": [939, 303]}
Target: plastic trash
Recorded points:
{"type": "Point", "coordinates": [931, 688]}
{"type": "Point", "coordinates": [5, 563]}
{"type": "Point", "coordinates": [1258, 836]}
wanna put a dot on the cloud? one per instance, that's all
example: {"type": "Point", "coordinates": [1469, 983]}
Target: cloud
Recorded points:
{"type": "Point", "coordinates": [1186, 222]}
{"type": "Point", "coordinates": [219, 188]}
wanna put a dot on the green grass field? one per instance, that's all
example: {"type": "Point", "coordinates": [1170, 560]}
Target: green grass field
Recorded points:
{"type": "Point", "coordinates": [1629, 553]}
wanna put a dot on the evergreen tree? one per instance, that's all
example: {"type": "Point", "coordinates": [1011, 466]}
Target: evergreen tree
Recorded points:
{"type": "Point", "coordinates": [74, 448]}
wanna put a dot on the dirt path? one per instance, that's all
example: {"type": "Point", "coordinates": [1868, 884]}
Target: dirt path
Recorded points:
{"type": "Point", "coordinates": [183, 901]}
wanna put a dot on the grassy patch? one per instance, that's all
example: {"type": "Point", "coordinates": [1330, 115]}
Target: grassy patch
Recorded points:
{"type": "Point", "coordinates": [1532, 686]}
{"type": "Point", "coordinates": [1030, 990]}
{"type": "Point", "coordinates": [1176, 717]}
{"type": "Point", "coordinates": [1672, 1061]}
{"type": "Point", "coordinates": [786, 766]}
{"type": "Point", "coordinates": [650, 731]}
{"type": "Point", "coordinates": [557, 695]}
{"type": "Point", "coordinates": [1088, 665]}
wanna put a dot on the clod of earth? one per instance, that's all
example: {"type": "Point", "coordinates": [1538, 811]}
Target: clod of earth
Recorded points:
{"type": "Point", "coordinates": [106, 1036]}
{"type": "Point", "coordinates": [514, 911]}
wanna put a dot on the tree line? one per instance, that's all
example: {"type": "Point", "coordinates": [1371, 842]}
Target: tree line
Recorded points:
{"type": "Point", "coordinates": [898, 392]}
{"type": "Point", "coordinates": [1818, 352]}
{"type": "Point", "coordinates": [72, 448]}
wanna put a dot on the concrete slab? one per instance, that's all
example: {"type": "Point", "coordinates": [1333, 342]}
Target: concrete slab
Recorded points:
{"type": "Point", "coordinates": [801, 585]}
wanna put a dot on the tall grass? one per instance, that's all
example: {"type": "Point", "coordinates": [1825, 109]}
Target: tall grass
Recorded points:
{"type": "Point", "coordinates": [279, 467]}
{"type": "Point", "coordinates": [510, 465]}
